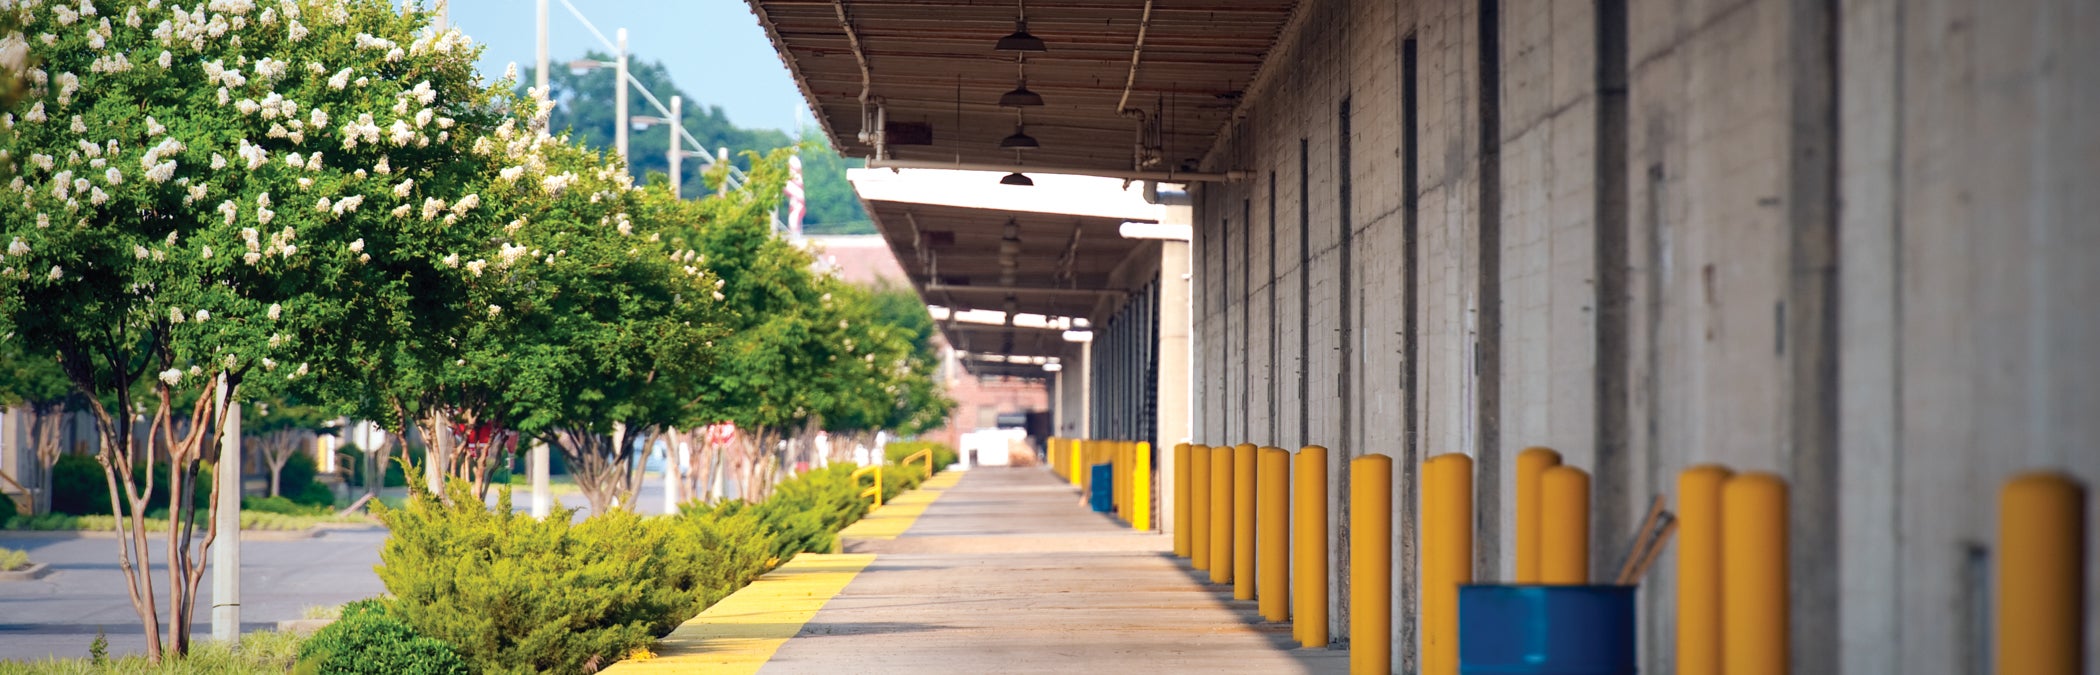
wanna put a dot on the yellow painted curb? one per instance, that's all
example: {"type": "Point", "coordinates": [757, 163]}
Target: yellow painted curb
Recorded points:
{"type": "Point", "coordinates": [893, 518]}
{"type": "Point", "coordinates": [740, 633]}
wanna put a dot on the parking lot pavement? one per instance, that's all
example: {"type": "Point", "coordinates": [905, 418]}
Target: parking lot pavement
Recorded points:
{"type": "Point", "coordinates": [59, 614]}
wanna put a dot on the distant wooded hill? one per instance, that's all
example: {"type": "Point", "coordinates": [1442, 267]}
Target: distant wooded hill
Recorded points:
{"type": "Point", "coordinates": [585, 109]}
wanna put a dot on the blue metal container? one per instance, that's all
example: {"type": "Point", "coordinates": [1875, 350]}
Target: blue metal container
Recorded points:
{"type": "Point", "coordinates": [1546, 630]}
{"type": "Point", "coordinates": [1101, 487]}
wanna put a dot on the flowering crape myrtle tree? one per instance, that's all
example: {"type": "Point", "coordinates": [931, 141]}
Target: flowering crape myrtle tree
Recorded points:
{"type": "Point", "coordinates": [218, 197]}
{"type": "Point", "coordinates": [588, 326]}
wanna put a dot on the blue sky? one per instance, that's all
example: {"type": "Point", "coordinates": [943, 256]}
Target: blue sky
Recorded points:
{"type": "Point", "coordinates": [714, 48]}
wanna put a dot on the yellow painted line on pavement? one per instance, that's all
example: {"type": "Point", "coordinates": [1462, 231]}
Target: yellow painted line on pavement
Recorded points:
{"type": "Point", "coordinates": [899, 514]}
{"type": "Point", "coordinates": [740, 633]}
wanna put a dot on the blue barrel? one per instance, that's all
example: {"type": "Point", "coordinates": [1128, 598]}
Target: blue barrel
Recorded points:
{"type": "Point", "coordinates": [1546, 630]}
{"type": "Point", "coordinates": [1101, 488]}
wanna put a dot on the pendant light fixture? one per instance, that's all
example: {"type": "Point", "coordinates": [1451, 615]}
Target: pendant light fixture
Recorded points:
{"type": "Point", "coordinates": [1021, 97]}
{"type": "Point", "coordinates": [1020, 140]}
{"type": "Point", "coordinates": [1017, 178]}
{"type": "Point", "coordinates": [1020, 40]}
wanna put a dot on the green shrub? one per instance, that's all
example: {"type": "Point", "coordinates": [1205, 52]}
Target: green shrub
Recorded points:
{"type": "Point", "coordinates": [314, 494]}
{"type": "Point", "coordinates": [8, 509]}
{"type": "Point", "coordinates": [78, 486]}
{"type": "Point", "coordinates": [943, 455]}
{"type": "Point", "coordinates": [282, 506]}
{"type": "Point", "coordinates": [376, 643]}
{"type": "Point", "coordinates": [11, 560]}
{"type": "Point", "coordinates": [519, 594]}
{"type": "Point", "coordinates": [806, 512]}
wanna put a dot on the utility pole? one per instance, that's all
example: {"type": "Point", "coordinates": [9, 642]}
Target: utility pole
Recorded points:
{"type": "Point", "coordinates": [226, 518]}
{"type": "Point", "coordinates": [620, 98]}
{"type": "Point", "coordinates": [538, 464]}
{"type": "Point", "coordinates": [677, 122]}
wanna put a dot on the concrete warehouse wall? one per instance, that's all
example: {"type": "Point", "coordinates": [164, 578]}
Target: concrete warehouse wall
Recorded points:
{"type": "Point", "coordinates": [1851, 243]}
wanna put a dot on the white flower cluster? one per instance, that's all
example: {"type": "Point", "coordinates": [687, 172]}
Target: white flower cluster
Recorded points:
{"type": "Point", "coordinates": [554, 185]}
{"type": "Point", "coordinates": [346, 204]}
{"type": "Point", "coordinates": [510, 254]}
{"type": "Point", "coordinates": [253, 154]}
{"type": "Point", "coordinates": [363, 130]}
{"type": "Point", "coordinates": [157, 169]}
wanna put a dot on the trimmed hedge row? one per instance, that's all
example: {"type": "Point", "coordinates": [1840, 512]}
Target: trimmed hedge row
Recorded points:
{"type": "Point", "coordinates": [509, 593]}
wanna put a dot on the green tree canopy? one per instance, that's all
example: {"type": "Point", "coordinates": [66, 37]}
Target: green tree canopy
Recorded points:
{"type": "Point", "coordinates": [586, 110]}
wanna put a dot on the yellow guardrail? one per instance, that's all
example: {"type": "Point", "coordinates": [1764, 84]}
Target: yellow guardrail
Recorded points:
{"type": "Point", "coordinates": [926, 455]}
{"type": "Point", "coordinates": [873, 490]}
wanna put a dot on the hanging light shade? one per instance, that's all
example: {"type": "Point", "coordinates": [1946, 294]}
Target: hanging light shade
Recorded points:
{"type": "Point", "coordinates": [1020, 140]}
{"type": "Point", "coordinates": [1020, 97]}
{"type": "Point", "coordinates": [1021, 41]}
{"type": "Point", "coordinates": [1016, 178]}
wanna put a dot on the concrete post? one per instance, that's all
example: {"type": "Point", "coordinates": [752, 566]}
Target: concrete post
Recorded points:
{"type": "Point", "coordinates": [1699, 569]}
{"type": "Point", "coordinates": [1754, 576]}
{"type": "Point", "coordinates": [1273, 490]}
{"type": "Point", "coordinates": [1245, 464]}
{"type": "Point", "coordinates": [1199, 506]}
{"type": "Point", "coordinates": [1176, 503]}
{"type": "Point", "coordinates": [2041, 541]}
{"type": "Point", "coordinates": [226, 518]}
{"type": "Point", "coordinates": [1371, 564]}
{"type": "Point", "coordinates": [673, 477]}
{"type": "Point", "coordinates": [1531, 463]}
{"type": "Point", "coordinates": [1220, 515]}
{"type": "Point", "coordinates": [1172, 393]}
{"type": "Point", "coordinates": [1447, 556]}
{"type": "Point", "coordinates": [542, 491]}
{"type": "Point", "coordinates": [1310, 551]}
{"type": "Point", "coordinates": [1564, 530]}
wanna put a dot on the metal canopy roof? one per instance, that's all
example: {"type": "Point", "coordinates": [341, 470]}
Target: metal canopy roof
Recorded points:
{"type": "Point", "coordinates": [933, 63]}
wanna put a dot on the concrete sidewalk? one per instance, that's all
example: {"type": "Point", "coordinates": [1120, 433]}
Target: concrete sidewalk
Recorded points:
{"type": "Point", "coordinates": [1007, 573]}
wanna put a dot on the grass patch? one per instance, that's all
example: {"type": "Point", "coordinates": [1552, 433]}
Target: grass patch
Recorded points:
{"type": "Point", "coordinates": [11, 560]}
{"type": "Point", "coordinates": [259, 652]}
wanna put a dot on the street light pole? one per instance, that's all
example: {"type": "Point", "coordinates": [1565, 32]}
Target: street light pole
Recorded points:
{"type": "Point", "coordinates": [538, 464]}
{"type": "Point", "coordinates": [620, 98]}
{"type": "Point", "coordinates": [226, 556]}
{"type": "Point", "coordinates": [677, 119]}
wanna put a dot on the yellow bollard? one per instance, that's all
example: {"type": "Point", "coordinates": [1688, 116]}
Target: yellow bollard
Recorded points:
{"type": "Point", "coordinates": [1564, 539]}
{"type": "Point", "coordinates": [1076, 449]}
{"type": "Point", "coordinates": [1273, 490]}
{"type": "Point", "coordinates": [1699, 569]}
{"type": "Point", "coordinates": [1530, 464]}
{"type": "Point", "coordinates": [1371, 564]}
{"type": "Point", "coordinates": [2041, 584]}
{"type": "Point", "coordinates": [1221, 515]}
{"type": "Point", "coordinates": [1310, 551]}
{"type": "Point", "coordinates": [1245, 464]}
{"type": "Point", "coordinates": [1199, 506]}
{"type": "Point", "coordinates": [1181, 499]}
{"type": "Point", "coordinates": [1119, 493]}
{"type": "Point", "coordinates": [1446, 556]}
{"type": "Point", "coordinates": [1141, 486]}
{"type": "Point", "coordinates": [1753, 575]}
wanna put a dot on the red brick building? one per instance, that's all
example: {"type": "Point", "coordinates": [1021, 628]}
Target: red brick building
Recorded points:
{"type": "Point", "coordinates": [980, 401]}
